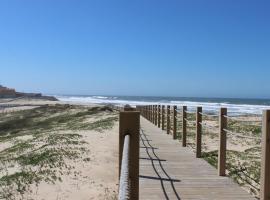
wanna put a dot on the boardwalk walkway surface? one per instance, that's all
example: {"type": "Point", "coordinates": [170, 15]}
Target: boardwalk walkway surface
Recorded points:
{"type": "Point", "coordinates": [170, 171]}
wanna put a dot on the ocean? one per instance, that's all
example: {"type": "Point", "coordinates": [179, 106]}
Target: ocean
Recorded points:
{"type": "Point", "coordinates": [210, 105]}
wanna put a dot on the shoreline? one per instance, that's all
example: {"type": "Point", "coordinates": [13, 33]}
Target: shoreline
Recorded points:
{"type": "Point", "coordinates": [234, 108]}
{"type": "Point", "coordinates": [242, 148]}
{"type": "Point", "coordinates": [210, 108]}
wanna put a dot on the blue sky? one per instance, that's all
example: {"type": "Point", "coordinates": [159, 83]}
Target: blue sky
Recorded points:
{"type": "Point", "coordinates": [199, 48]}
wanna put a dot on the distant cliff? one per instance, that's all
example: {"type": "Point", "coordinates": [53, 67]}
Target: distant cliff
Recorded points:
{"type": "Point", "coordinates": [6, 92]}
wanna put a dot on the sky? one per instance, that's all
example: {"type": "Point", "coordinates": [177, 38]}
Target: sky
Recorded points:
{"type": "Point", "coordinates": [185, 48]}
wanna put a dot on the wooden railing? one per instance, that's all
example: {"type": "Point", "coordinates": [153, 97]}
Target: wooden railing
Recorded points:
{"type": "Point", "coordinates": [124, 182]}
{"type": "Point", "coordinates": [157, 115]}
{"type": "Point", "coordinates": [129, 148]}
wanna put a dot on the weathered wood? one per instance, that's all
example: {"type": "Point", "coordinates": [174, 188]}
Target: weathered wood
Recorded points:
{"type": "Point", "coordinates": [150, 107]}
{"type": "Point", "coordinates": [222, 142]}
{"type": "Point", "coordinates": [184, 126]}
{"type": "Point", "coordinates": [198, 132]}
{"type": "Point", "coordinates": [174, 122]}
{"type": "Point", "coordinates": [168, 119]}
{"type": "Point", "coordinates": [265, 163]}
{"type": "Point", "coordinates": [163, 117]}
{"type": "Point", "coordinates": [152, 113]}
{"type": "Point", "coordinates": [158, 116]}
{"type": "Point", "coordinates": [129, 124]}
{"type": "Point", "coordinates": [149, 113]}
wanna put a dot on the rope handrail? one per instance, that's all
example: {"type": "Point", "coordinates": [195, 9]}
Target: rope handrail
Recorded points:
{"type": "Point", "coordinates": [239, 120]}
{"type": "Point", "coordinates": [241, 135]}
{"type": "Point", "coordinates": [192, 123]}
{"type": "Point", "coordinates": [208, 126]}
{"type": "Point", "coordinates": [208, 115]}
{"type": "Point", "coordinates": [188, 120]}
{"type": "Point", "coordinates": [124, 185]}
{"type": "Point", "coordinates": [189, 112]}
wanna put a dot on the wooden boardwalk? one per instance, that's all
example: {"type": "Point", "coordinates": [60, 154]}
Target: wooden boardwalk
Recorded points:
{"type": "Point", "coordinates": [170, 171]}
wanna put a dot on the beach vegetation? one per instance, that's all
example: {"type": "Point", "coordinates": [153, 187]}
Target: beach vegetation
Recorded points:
{"type": "Point", "coordinates": [44, 142]}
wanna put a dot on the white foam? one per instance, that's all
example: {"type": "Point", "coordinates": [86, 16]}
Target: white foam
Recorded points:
{"type": "Point", "coordinates": [234, 109]}
{"type": "Point", "coordinates": [100, 97]}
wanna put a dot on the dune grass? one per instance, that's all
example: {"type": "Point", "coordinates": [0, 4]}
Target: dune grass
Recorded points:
{"type": "Point", "coordinates": [41, 141]}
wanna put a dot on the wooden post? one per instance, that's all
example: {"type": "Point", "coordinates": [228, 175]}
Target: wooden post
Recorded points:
{"type": "Point", "coordinates": [153, 114]}
{"type": "Point", "coordinates": [129, 123]}
{"type": "Point", "coordinates": [145, 111]}
{"type": "Point", "coordinates": [148, 113]}
{"type": "Point", "coordinates": [184, 126]}
{"type": "Point", "coordinates": [265, 163]}
{"type": "Point", "coordinates": [199, 132]}
{"type": "Point", "coordinates": [222, 142]}
{"type": "Point", "coordinates": [158, 116]}
{"type": "Point", "coordinates": [174, 122]}
{"type": "Point", "coordinates": [163, 117]}
{"type": "Point", "coordinates": [168, 119]}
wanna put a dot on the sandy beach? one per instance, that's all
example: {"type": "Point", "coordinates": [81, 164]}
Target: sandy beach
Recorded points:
{"type": "Point", "coordinates": [86, 137]}
{"type": "Point", "coordinates": [52, 150]}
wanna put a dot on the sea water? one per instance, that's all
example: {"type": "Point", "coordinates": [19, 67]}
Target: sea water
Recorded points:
{"type": "Point", "coordinates": [210, 105]}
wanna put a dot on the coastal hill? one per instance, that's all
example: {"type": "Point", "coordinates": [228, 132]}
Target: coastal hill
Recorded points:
{"type": "Point", "coordinates": [6, 92]}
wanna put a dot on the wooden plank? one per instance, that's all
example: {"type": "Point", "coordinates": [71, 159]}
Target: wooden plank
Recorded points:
{"type": "Point", "coordinates": [222, 142]}
{"type": "Point", "coordinates": [170, 171]}
{"type": "Point", "coordinates": [163, 117]}
{"type": "Point", "coordinates": [168, 119]}
{"type": "Point", "coordinates": [174, 122]}
{"type": "Point", "coordinates": [158, 116]}
{"type": "Point", "coordinates": [198, 132]}
{"type": "Point", "coordinates": [184, 126]}
{"type": "Point", "coordinates": [265, 166]}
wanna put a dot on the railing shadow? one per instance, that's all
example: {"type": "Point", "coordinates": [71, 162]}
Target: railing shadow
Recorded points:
{"type": "Point", "coordinates": [153, 159]}
{"type": "Point", "coordinates": [149, 147]}
{"type": "Point", "coordinates": [160, 179]}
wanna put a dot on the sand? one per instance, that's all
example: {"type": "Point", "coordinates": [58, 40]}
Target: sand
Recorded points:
{"type": "Point", "coordinates": [96, 179]}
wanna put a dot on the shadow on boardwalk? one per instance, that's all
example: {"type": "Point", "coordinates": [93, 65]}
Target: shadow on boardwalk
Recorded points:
{"type": "Point", "coordinates": [157, 163]}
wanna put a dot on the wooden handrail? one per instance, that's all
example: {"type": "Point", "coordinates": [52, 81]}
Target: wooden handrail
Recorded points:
{"type": "Point", "coordinates": [129, 124]}
{"type": "Point", "coordinates": [223, 123]}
